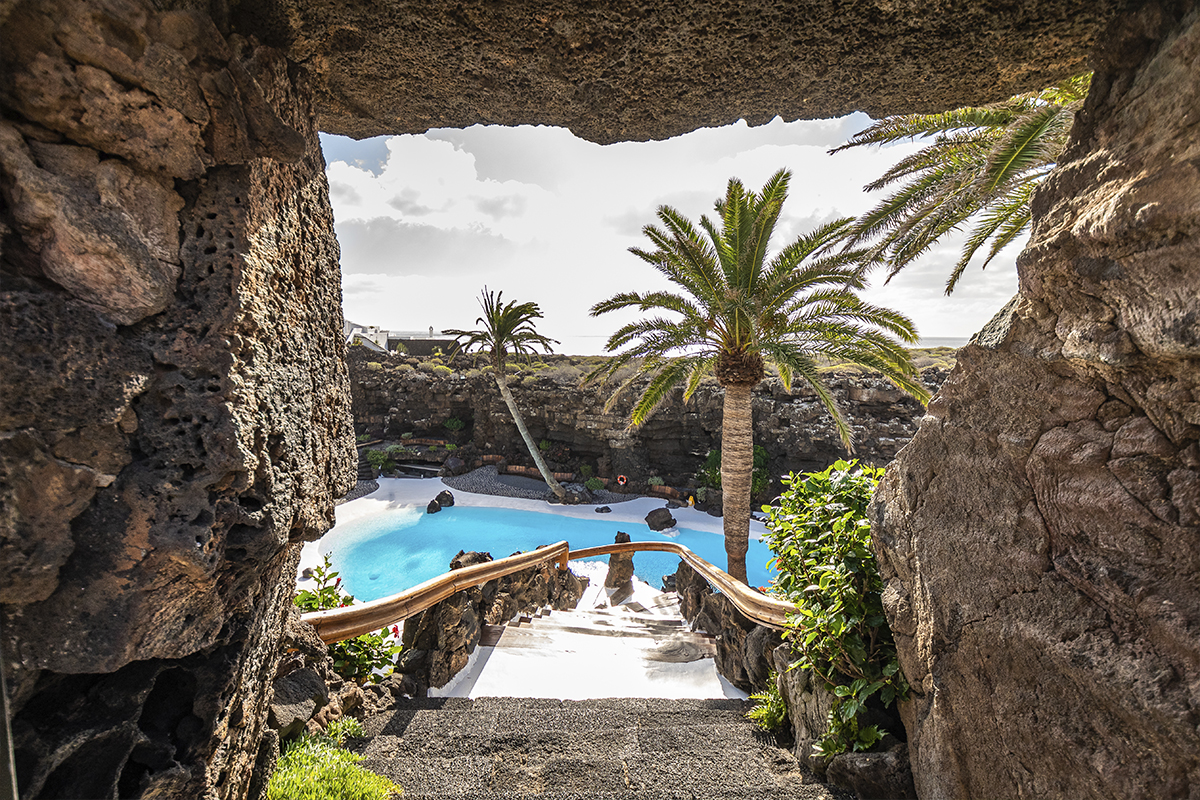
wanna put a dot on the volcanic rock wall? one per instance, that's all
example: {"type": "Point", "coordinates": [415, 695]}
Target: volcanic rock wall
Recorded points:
{"type": "Point", "coordinates": [793, 426]}
{"type": "Point", "coordinates": [1041, 533]}
{"type": "Point", "coordinates": [174, 413]}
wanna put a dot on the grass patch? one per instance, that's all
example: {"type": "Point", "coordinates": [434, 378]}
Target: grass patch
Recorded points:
{"type": "Point", "coordinates": [319, 768]}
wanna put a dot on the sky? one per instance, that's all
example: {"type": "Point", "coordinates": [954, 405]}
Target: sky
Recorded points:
{"type": "Point", "coordinates": [425, 222]}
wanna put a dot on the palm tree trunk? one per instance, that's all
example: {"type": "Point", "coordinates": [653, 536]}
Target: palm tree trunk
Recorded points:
{"type": "Point", "coordinates": [737, 467]}
{"type": "Point", "coordinates": [547, 476]}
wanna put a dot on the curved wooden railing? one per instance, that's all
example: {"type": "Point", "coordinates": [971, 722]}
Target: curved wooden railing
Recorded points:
{"type": "Point", "coordinates": [337, 624]}
{"type": "Point", "coordinates": [754, 605]}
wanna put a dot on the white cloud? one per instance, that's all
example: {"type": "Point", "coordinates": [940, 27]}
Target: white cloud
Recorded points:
{"type": "Point", "coordinates": [546, 217]}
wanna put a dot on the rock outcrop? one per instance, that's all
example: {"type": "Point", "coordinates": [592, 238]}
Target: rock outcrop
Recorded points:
{"type": "Point", "coordinates": [168, 439]}
{"type": "Point", "coordinates": [620, 72]}
{"type": "Point", "coordinates": [438, 641]}
{"type": "Point", "coordinates": [1041, 534]}
{"type": "Point", "coordinates": [793, 426]}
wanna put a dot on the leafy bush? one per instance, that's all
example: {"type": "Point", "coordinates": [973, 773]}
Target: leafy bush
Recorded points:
{"type": "Point", "coordinates": [451, 447]}
{"type": "Point", "coordinates": [406, 435]}
{"type": "Point", "coordinates": [439, 369]}
{"type": "Point", "coordinates": [354, 659]}
{"type": "Point", "coordinates": [586, 471]}
{"type": "Point", "coordinates": [710, 473]}
{"type": "Point", "coordinates": [821, 538]}
{"type": "Point", "coordinates": [362, 437]}
{"type": "Point", "coordinates": [454, 424]}
{"type": "Point", "coordinates": [374, 366]}
{"type": "Point", "coordinates": [654, 480]}
{"type": "Point", "coordinates": [544, 445]}
{"type": "Point", "coordinates": [594, 484]}
{"type": "Point", "coordinates": [317, 767]}
{"type": "Point", "coordinates": [770, 709]}
{"type": "Point", "coordinates": [378, 459]}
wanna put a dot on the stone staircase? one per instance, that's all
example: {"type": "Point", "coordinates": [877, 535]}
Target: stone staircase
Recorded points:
{"type": "Point", "coordinates": [509, 747]}
{"type": "Point", "coordinates": [627, 733]}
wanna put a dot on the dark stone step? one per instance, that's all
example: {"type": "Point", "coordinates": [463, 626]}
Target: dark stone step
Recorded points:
{"type": "Point", "coordinates": [621, 747]}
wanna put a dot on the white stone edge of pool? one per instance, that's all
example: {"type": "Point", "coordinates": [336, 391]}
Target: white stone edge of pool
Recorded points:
{"type": "Point", "coordinates": [397, 493]}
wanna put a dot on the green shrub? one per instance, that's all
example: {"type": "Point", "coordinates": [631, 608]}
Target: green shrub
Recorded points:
{"type": "Point", "coordinates": [451, 447]}
{"type": "Point", "coordinates": [594, 484]}
{"type": "Point", "coordinates": [405, 368]}
{"type": "Point", "coordinates": [454, 424]}
{"type": "Point", "coordinates": [433, 448]}
{"type": "Point", "coordinates": [406, 435]}
{"type": "Point", "coordinates": [585, 470]}
{"type": "Point", "coordinates": [770, 709]}
{"type": "Point", "coordinates": [821, 538]}
{"type": "Point", "coordinates": [362, 437]}
{"type": "Point", "coordinates": [374, 366]}
{"type": "Point", "coordinates": [710, 473]}
{"type": "Point", "coordinates": [354, 659]}
{"type": "Point", "coordinates": [654, 480]}
{"type": "Point", "coordinates": [317, 767]}
{"type": "Point", "coordinates": [378, 459]}
{"type": "Point", "coordinates": [439, 369]}
{"type": "Point", "coordinates": [544, 445]}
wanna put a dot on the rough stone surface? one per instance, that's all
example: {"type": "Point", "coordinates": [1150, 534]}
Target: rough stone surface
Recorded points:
{"type": "Point", "coordinates": [174, 409]}
{"type": "Point", "coordinates": [1040, 536]}
{"type": "Point", "coordinates": [660, 519]}
{"type": "Point", "coordinates": [631, 71]}
{"type": "Point", "coordinates": [438, 641]}
{"type": "Point", "coordinates": [884, 775]}
{"type": "Point", "coordinates": [620, 567]}
{"type": "Point", "coordinates": [793, 426]}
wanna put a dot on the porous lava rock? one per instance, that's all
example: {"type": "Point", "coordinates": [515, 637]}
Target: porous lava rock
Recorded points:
{"type": "Point", "coordinates": [1040, 536]}
{"type": "Point", "coordinates": [174, 408]}
{"type": "Point", "coordinates": [632, 71]}
{"type": "Point", "coordinates": [660, 519]}
{"type": "Point", "coordinates": [620, 568]}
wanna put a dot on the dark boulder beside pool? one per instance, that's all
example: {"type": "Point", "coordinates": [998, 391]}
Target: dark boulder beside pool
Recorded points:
{"type": "Point", "coordinates": [433, 507]}
{"type": "Point", "coordinates": [660, 519]}
{"type": "Point", "coordinates": [603, 510]}
{"type": "Point", "coordinates": [445, 499]}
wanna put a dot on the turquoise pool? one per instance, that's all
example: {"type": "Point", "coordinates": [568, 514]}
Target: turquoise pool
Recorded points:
{"type": "Point", "coordinates": [391, 551]}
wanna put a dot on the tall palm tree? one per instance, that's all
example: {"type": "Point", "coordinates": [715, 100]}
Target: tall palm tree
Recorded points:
{"type": "Point", "coordinates": [739, 312]}
{"type": "Point", "coordinates": [508, 329]}
{"type": "Point", "coordinates": [980, 170]}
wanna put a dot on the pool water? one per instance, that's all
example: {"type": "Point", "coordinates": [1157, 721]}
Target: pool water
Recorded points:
{"type": "Point", "coordinates": [381, 554]}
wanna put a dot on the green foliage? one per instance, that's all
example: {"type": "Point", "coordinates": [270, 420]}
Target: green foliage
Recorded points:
{"type": "Point", "coordinates": [821, 538]}
{"type": "Point", "coordinates": [978, 173]}
{"type": "Point", "coordinates": [586, 471]}
{"type": "Point", "coordinates": [439, 369]}
{"type": "Point", "coordinates": [709, 475]}
{"type": "Point", "coordinates": [406, 368]}
{"type": "Point", "coordinates": [654, 480]}
{"type": "Point", "coordinates": [378, 459]}
{"type": "Point", "coordinates": [401, 348]}
{"type": "Point", "coordinates": [374, 366]}
{"type": "Point", "coordinates": [362, 437]}
{"type": "Point", "coordinates": [451, 447]}
{"type": "Point", "coordinates": [454, 424]}
{"type": "Point", "coordinates": [317, 767]}
{"type": "Point", "coordinates": [406, 435]}
{"type": "Point", "coordinates": [354, 659]}
{"type": "Point", "coordinates": [433, 448]}
{"type": "Point", "coordinates": [594, 484]}
{"type": "Point", "coordinates": [770, 710]}
{"type": "Point", "coordinates": [544, 445]}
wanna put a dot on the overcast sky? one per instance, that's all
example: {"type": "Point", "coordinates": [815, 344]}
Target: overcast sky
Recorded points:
{"type": "Point", "coordinates": [424, 222]}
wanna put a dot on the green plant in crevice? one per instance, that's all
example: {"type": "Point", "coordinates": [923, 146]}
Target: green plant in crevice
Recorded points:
{"type": "Point", "coordinates": [654, 480]}
{"type": "Point", "coordinates": [318, 767]}
{"type": "Point", "coordinates": [406, 435]}
{"type": "Point", "coordinates": [594, 484]}
{"type": "Point", "coordinates": [544, 445]}
{"type": "Point", "coordinates": [819, 532]}
{"type": "Point", "coordinates": [770, 709]}
{"type": "Point", "coordinates": [586, 471]}
{"type": "Point", "coordinates": [454, 424]}
{"type": "Point", "coordinates": [378, 459]}
{"type": "Point", "coordinates": [709, 475]}
{"type": "Point", "coordinates": [359, 659]}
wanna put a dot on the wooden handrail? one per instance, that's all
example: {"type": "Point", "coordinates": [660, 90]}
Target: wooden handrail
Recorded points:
{"type": "Point", "coordinates": [755, 605]}
{"type": "Point", "coordinates": [337, 624]}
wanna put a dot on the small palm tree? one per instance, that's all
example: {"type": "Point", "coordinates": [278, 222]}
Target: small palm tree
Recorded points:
{"type": "Point", "coordinates": [980, 170]}
{"type": "Point", "coordinates": [508, 330]}
{"type": "Point", "coordinates": [740, 312]}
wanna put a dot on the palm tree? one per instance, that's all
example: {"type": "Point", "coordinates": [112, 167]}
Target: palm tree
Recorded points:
{"type": "Point", "coordinates": [740, 312]}
{"type": "Point", "coordinates": [508, 329]}
{"type": "Point", "coordinates": [981, 170]}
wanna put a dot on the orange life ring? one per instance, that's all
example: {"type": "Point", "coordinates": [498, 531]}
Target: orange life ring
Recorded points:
{"type": "Point", "coordinates": [621, 480]}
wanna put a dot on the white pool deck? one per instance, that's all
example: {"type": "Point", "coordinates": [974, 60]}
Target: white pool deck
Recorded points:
{"type": "Point", "coordinates": [573, 666]}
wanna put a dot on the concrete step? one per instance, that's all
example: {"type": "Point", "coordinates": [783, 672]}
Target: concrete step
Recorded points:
{"type": "Point", "coordinates": [547, 748]}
